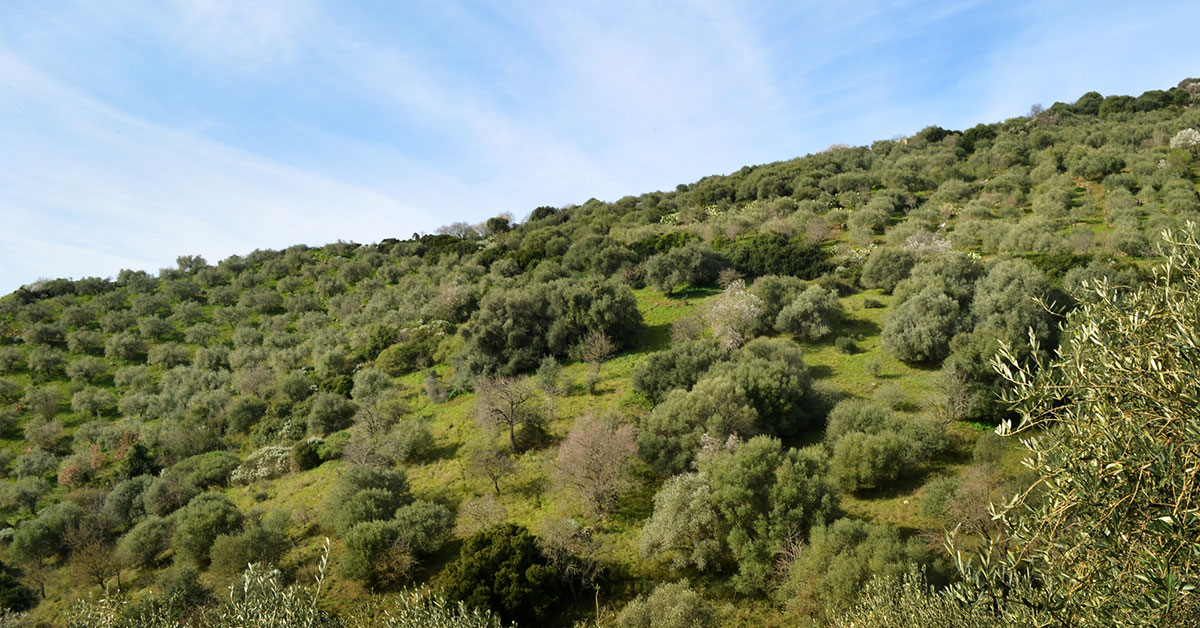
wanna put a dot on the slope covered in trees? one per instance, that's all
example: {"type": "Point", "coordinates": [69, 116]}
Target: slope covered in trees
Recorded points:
{"type": "Point", "coordinates": [746, 401]}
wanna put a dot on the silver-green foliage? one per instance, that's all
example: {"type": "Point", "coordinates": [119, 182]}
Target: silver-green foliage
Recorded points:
{"type": "Point", "coordinates": [669, 605]}
{"type": "Point", "coordinates": [745, 502]}
{"type": "Point", "coordinates": [812, 315]}
{"type": "Point", "coordinates": [1106, 536]}
{"type": "Point", "coordinates": [422, 609]}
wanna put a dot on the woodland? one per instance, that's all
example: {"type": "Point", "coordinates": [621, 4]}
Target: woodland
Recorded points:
{"type": "Point", "coordinates": [947, 379]}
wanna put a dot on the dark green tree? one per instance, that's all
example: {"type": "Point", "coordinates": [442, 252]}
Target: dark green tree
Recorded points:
{"type": "Point", "coordinates": [502, 569]}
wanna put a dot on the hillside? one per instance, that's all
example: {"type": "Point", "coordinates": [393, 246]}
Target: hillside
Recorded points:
{"type": "Point", "coordinates": [774, 384]}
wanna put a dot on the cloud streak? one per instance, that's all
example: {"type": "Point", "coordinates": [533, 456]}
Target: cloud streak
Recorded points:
{"type": "Point", "coordinates": [133, 133]}
{"type": "Point", "coordinates": [103, 188]}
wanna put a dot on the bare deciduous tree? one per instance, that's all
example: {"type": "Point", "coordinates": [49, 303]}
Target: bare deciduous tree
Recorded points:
{"type": "Point", "coordinates": [494, 463]}
{"type": "Point", "coordinates": [574, 551]}
{"type": "Point", "coordinates": [595, 460]}
{"type": "Point", "coordinates": [93, 552]}
{"type": "Point", "coordinates": [507, 402]}
{"type": "Point", "coordinates": [480, 512]}
{"type": "Point", "coordinates": [595, 348]}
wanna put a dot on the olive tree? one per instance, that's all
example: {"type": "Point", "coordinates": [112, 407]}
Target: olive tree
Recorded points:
{"type": "Point", "coordinates": [198, 524]}
{"type": "Point", "coordinates": [1114, 456]}
{"type": "Point", "coordinates": [812, 315]}
{"type": "Point", "coordinates": [886, 267]}
{"type": "Point", "coordinates": [920, 329]}
{"type": "Point", "coordinates": [741, 507]}
{"type": "Point", "coordinates": [669, 605]}
{"type": "Point", "coordinates": [693, 264]}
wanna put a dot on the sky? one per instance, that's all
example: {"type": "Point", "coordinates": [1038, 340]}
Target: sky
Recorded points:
{"type": "Point", "coordinates": [135, 132]}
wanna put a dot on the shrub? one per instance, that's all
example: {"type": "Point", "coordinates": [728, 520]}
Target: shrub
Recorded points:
{"type": "Point", "coordinates": [857, 415]}
{"type": "Point", "coordinates": [209, 469]}
{"type": "Point", "coordinates": [954, 274]}
{"type": "Point", "coordinates": [886, 267]}
{"type": "Point", "coordinates": [989, 448]}
{"type": "Point", "coordinates": [920, 329]}
{"type": "Point", "coordinates": [405, 357]}
{"type": "Point", "coordinates": [45, 537]}
{"type": "Point", "coordinates": [168, 492]}
{"type": "Point", "coordinates": [680, 366]}
{"type": "Point", "coordinates": [867, 461]}
{"type": "Point", "coordinates": [371, 504]}
{"type": "Point", "coordinates": [693, 264]}
{"type": "Point", "coordinates": [243, 412]}
{"type": "Point", "coordinates": [671, 435]}
{"type": "Point", "coordinates": [773, 254]}
{"type": "Point", "coordinates": [424, 526]}
{"type": "Point", "coordinates": [198, 524]}
{"type": "Point", "coordinates": [763, 492]}
{"type": "Point", "coordinates": [774, 293]}
{"type": "Point", "coordinates": [306, 454]}
{"type": "Point", "coordinates": [334, 446]}
{"type": "Point", "coordinates": [14, 596]}
{"type": "Point", "coordinates": [181, 586]}
{"type": "Point", "coordinates": [359, 477]}
{"type": "Point", "coordinates": [842, 557]}
{"type": "Point", "coordinates": [329, 413]}
{"type": "Point", "coordinates": [685, 526]}
{"type": "Point", "coordinates": [972, 389]}
{"type": "Point", "coordinates": [514, 329]}
{"type": "Point", "coordinates": [740, 507]}
{"type": "Point", "coordinates": [125, 504]}
{"type": "Point", "coordinates": [375, 555]}
{"type": "Point", "coordinates": [669, 605]}
{"type": "Point", "coordinates": [264, 463]}
{"type": "Point", "coordinates": [1006, 301]}
{"type": "Point", "coordinates": [411, 439]}
{"type": "Point", "coordinates": [778, 384]}
{"type": "Point", "coordinates": [142, 545]}
{"type": "Point", "coordinates": [812, 315]}
{"type": "Point", "coordinates": [422, 609]}
{"type": "Point", "coordinates": [257, 543]}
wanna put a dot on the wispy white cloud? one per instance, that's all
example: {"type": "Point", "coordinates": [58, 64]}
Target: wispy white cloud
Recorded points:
{"type": "Point", "coordinates": [139, 132]}
{"type": "Point", "coordinates": [247, 35]}
{"type": "Point", "coordinates": [87, 186]}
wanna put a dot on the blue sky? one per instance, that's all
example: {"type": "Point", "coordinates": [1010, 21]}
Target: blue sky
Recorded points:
{"type": "Point", "coordinates": [133, 132]}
